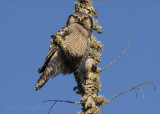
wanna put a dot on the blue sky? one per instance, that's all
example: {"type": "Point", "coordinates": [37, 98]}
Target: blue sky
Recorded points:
{"type": "Point", "coordinates": [25, 29]}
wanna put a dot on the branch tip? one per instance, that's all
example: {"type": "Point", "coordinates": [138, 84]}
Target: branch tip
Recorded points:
{"type": "Point", "coordinates": [133, 88]}
{"type": "Point", "coordinates": [117, 57]}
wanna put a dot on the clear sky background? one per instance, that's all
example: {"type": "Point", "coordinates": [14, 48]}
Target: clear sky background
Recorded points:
{"type": "Point", "coordinates": [25, 30]}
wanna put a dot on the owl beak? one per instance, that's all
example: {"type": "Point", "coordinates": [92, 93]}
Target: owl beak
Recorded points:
{"type": "Point", "coordinates": [80, 19]}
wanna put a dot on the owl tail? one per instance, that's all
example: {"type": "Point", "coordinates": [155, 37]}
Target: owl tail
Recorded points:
{"type": "Point", "coordinates": [42, 80]}
{"type": "Point", "coordinates": [55, 67]}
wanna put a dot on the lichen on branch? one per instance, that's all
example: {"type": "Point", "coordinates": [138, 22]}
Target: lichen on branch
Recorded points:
{"type": "Point", "coordinates": [88, 79]}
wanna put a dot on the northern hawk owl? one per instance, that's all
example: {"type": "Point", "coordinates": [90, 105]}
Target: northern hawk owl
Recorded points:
{"type": "Point", "coordinates": [73, 51]}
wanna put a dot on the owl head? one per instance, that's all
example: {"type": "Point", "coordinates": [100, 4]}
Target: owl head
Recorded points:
{"type": "Point", "coordinates": [81, 18]}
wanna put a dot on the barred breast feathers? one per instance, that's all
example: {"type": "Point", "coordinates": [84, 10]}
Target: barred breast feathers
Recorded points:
{"type": "Point", "coordinates": [77, 40]}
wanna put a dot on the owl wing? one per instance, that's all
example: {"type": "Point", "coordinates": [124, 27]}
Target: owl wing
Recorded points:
{"type": "Point", "coordinates": [53, 48]}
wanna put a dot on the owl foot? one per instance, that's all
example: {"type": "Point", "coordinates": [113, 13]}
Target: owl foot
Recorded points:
{"type": "Point", "coordinates": [58, 40]}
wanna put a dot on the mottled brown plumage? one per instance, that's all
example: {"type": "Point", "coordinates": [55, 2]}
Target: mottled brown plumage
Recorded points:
{"type": "Point", "coordinates": [69, 55]}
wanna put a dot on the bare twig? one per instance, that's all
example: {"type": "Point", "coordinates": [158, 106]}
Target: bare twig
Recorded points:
{"type": "Point", "coordinates": [153, 85]}
{"type": "Point", "coordinates": [135, 92]}
{"type": "Point", "coordinates": [141, 91]}
{"type": "Point", "coordinates": [117, 57]}
{"type": "Point", "coordinates": [133, 88]}
{"type": "Point", "coordinates": [60, 101]}
{"type": "Point", "coordinates": [52, 107]}
{"type": "Point", "coordinates": [55, 101]}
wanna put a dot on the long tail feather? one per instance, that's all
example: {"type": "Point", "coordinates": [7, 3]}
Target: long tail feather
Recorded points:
{"type": "Point", "coordinates": [42, 80]}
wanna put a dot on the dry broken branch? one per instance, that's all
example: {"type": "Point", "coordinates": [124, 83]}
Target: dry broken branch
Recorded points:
{"type": "Point", "coordinates": [56, 101]}
{"type": "Point", "coordinates": [133, 88]}
{"type": "Point", "coordinates": [117, 57]}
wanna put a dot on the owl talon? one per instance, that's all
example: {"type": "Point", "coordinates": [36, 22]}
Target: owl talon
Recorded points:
{"type": "Point", "coordinates": [58, 40]}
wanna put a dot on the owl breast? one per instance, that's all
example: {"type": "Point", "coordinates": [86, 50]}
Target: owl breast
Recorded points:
{"type": "Point", "coordinates": [77, 40]}
{"type": "Point", "coordinates": [78, 43]}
